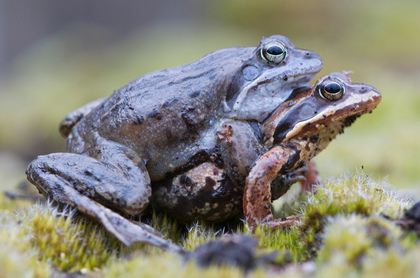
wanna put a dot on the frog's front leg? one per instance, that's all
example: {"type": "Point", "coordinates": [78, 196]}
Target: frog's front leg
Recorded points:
{"type": "Point", "coordinates": [118, 179]}
{"type": "Point", "coordinates": [257, 192]}
{"type": "Point", "coordinates": [75, 116]}
{"type": "Point", "coordinates": [240, 146]}
{"type": "Point", "coordinates": [283, 183]}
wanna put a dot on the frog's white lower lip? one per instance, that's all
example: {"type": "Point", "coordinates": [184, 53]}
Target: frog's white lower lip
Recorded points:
{"type": "Point", "coordinates": [360, 107]}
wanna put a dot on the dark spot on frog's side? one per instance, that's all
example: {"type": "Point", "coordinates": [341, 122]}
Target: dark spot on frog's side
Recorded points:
{"type": "Point", "coordinates": [170, 136]}
{"type": "Point", "coordinates": [138, 120]}
{"type": "Point", "coordinates": [194, 94]}
{"type": "Point", "coordinates": [210, 183]}
{"type": "Point", "coordinates": [188, 120]}
{"type": "Point", "coordinates": [186, 181]}
{"type": "Point", "coordinates": [314, 138]}
{"type": "Point", "coordinates": [155, 114]}
{"type": "Point", "coordinates": [215, 171]}
{"type": "Point", "coordinates": [169, 101]}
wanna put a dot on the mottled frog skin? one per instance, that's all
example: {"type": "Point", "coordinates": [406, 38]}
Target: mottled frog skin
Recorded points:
{"type": "Point", "coordinates": [215, 193]}
{"type": "Point", "coordinates": [165, 123]}
{"type": "Point", "coordinates": [297, 131]}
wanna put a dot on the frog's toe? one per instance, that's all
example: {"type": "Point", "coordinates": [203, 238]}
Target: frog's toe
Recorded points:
{"type": "Point", "coordinates": [289, 221]}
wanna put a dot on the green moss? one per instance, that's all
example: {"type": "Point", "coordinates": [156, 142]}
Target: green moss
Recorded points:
{"type": "Point", "coordinates": [365, 246]}
{"type": "Point", "coordinates": [16, 261]}
{"type": "Point", "coordinates": [166, 265]}
{"type": "Point", "coordinates": [199, 233]}
{"type": "Point", "coordinates": [391, 263]}
{"type": "Point", "coordinates": [66, 244]}
{"type": "Point", "coordinates": [17, 257]}
{"type": "Point", "coordinates": [342, 233]}
{"type": "Point", "coordinates": [287, 242]}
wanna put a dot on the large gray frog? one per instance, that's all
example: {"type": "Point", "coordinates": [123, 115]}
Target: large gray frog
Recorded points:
{"type": "Point", "coordinates": [165, 123]}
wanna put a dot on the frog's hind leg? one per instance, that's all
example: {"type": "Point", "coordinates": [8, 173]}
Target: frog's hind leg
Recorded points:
{"type": "Point", "coordinates": [85, 183]}
{"type": "Point", "coordinates": [128, 232]}
{"type": "Point", "coordinates": [122, 184]}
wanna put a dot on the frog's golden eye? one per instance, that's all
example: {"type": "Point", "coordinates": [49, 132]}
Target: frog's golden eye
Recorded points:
{"type": "Point", "coordinates": [331, 90]}
{"type": "Point", "coordinates": [273, 52]}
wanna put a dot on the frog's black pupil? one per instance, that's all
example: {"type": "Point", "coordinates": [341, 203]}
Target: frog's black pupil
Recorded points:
{"type": "Point", "coordinates": [275, 50]}
{"type": "Point", "coordinates": [332, 88]}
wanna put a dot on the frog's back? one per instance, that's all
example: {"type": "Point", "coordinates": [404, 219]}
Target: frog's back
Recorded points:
{"type": "Point", "coordinates": [159, 110]}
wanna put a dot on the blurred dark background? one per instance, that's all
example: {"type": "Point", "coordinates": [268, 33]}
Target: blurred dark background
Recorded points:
{"type": "Point", "coordinates": [57, 55]}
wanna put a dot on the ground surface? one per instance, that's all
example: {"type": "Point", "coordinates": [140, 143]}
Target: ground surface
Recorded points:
{"type": "Point", "coordinates": [343, 232]}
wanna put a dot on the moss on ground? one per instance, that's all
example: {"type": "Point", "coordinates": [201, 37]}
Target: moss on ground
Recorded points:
{"type": "Point", "coordinates": [342, 233]}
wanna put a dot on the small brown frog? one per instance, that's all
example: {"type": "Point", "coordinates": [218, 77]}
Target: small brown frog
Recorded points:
{"type": "Point", "coordinates": [162, 124]}
{"type": "Point", "coordinates": [297, 130]}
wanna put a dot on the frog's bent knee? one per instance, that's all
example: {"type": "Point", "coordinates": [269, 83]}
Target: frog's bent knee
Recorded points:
{"type": "Point", "coordinates": [135, 203]}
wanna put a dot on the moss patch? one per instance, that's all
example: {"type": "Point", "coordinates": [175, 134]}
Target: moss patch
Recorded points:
{"type": "Point", "coordinates": [342, 233]}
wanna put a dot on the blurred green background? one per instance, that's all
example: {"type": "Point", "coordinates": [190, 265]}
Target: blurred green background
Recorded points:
{"type": "Point", "coordinates": [57, 55]}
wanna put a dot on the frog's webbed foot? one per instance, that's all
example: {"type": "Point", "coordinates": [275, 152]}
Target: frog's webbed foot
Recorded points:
{"type": "Point", "coordinates": [288, 221]}
{"type": "Point", "coordinates": [24, 191]}
{"type": "Point", "coordinates": [282, 184]}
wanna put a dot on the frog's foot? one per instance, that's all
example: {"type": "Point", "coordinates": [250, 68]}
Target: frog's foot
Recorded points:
{"type": "Point", "coordinates": [122, 185]}
{"type": "Point", "coordinates": [282, 184]}
{"type": "Point", "coordinates": [289, 221]}
{"type": "Point", "coordinates": [24, 191]}
{"type": "Point", "coordinates": [312, 178]}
